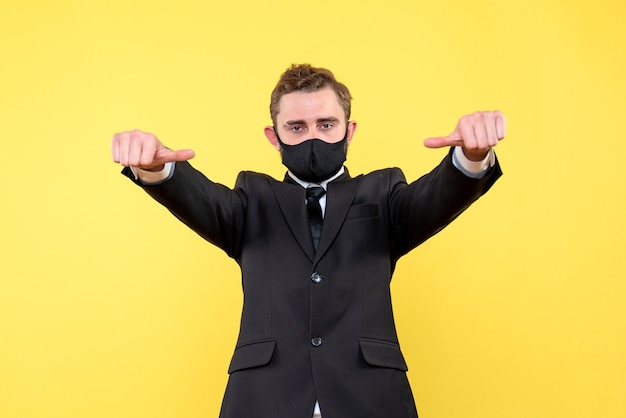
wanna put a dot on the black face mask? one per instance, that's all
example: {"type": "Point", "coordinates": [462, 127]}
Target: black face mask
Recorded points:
{"type": "Point", "coordinates": [314, 160]}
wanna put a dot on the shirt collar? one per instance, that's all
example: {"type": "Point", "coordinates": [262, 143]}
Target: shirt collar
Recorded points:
{"type": "Point", "coordinates": [324, 183]}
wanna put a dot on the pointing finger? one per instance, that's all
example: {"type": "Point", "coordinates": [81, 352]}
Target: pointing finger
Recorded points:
{"type": "Point", "coordinates": [184, 154]}
{"type": "Point", "coordinates": [443, 141]}
{"type": "Point", "coordinates": [166, 155]}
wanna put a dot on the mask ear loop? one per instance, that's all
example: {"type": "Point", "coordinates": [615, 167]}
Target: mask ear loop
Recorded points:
{"type": "Point", "coordinates": [282, 144]}
{"type": "Point", "coordinates": [277, 136]}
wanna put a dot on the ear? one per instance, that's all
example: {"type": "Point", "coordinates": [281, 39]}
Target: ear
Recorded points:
{"type": "Point", "coordinates": [270, 134]}
{"type": "Point", "coordinates": [351, 130]}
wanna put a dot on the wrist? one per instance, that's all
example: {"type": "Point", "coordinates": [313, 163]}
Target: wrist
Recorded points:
{"type": "Point", "coordinates": [153, 177]}
{"type": "Point", "coordinates": [476, 155]}
{"type": "Point", "coordinates": [153, 169]}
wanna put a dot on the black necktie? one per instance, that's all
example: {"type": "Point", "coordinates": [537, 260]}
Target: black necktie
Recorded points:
{"type": "Point", "coordinates": [314, 210]}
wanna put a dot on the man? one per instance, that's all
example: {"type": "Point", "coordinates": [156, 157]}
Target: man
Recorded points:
{"type": "Point", "coordinates": [317, 332]}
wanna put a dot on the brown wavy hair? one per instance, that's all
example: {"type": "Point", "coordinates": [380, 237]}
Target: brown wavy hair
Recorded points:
{"type": "Point", "coordinates": [304, 77]}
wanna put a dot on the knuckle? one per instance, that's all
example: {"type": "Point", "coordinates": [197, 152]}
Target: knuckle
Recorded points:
{"type": "Point", "coordinates": [465, 121]}
{"type": "Point", "coordinates": [136, 134]}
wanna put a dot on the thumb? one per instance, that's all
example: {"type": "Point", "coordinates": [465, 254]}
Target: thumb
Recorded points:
{"type": "Point", "coordinates": [184, 155]}
{"type": "Point", "coordinates": [166, 155]}
{"type": "Point", "coordinates": [444, 141]}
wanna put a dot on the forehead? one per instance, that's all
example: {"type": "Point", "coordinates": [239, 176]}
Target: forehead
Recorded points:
{"type": "Point", "coordinates": [305, 105]}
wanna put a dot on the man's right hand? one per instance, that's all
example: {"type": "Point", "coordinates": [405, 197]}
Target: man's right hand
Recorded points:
{"type": "Point", "coordinates": [143, 150]}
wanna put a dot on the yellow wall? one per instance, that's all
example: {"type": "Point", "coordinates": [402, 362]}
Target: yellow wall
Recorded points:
{"type": "Point", "coordinates": [111, 308]}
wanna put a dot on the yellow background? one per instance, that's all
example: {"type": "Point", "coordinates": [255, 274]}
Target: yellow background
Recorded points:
{"type": "Point", "coordinates": [109, 307]}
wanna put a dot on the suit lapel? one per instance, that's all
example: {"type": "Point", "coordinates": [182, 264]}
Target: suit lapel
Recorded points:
{"type": "Point", "coordinates": [291, 199]}
{"type": "Point", "coordinates": [339, 197]}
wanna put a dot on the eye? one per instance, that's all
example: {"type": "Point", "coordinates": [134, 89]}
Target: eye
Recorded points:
{"type": "Point", "coordinates": [295, 128]}
{"type": "Point", "coordinates": [327, 125]}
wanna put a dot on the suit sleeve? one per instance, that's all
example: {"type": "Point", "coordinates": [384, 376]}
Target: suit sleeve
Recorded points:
{"type": "Point", "coordinates": [213, 211]}
{"type": "Point", "coordinates": [421, 209]}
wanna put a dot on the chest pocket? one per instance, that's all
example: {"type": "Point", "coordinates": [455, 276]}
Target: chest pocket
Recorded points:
{"type": "Point", "coordinates": [367, 210]}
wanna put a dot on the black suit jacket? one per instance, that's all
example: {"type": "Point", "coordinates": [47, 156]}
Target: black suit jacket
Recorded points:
{"type": "Point", "coordinates": [319, 325]}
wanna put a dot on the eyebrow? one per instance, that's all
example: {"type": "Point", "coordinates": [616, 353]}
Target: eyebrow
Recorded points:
{"type": "Point", "coordinates": [302, 122]}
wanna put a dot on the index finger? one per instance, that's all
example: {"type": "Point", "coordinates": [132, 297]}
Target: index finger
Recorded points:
{"type": "Point", "coordinates": [500, 125]}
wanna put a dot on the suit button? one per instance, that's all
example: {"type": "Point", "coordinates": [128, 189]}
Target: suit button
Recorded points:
{"type": "Point", "coordinates": [316, 342]}
{"type": "Point", "coordinates": [316, 278]}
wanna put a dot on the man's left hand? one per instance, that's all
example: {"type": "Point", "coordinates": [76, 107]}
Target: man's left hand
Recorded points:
{"type": "Point", "coordinates": [476, 133]}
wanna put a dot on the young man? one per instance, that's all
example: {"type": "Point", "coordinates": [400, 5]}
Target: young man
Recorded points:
{"type": "Point", "coordinates": [317, 334]}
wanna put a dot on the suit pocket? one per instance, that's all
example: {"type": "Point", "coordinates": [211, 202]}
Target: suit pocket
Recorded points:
{"type": "Point", "coordinates": [367, 210]}
{"type": "Point", "coordinates": [253, 354]}
{"type": "Point", "coordinates": [379, 353]}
